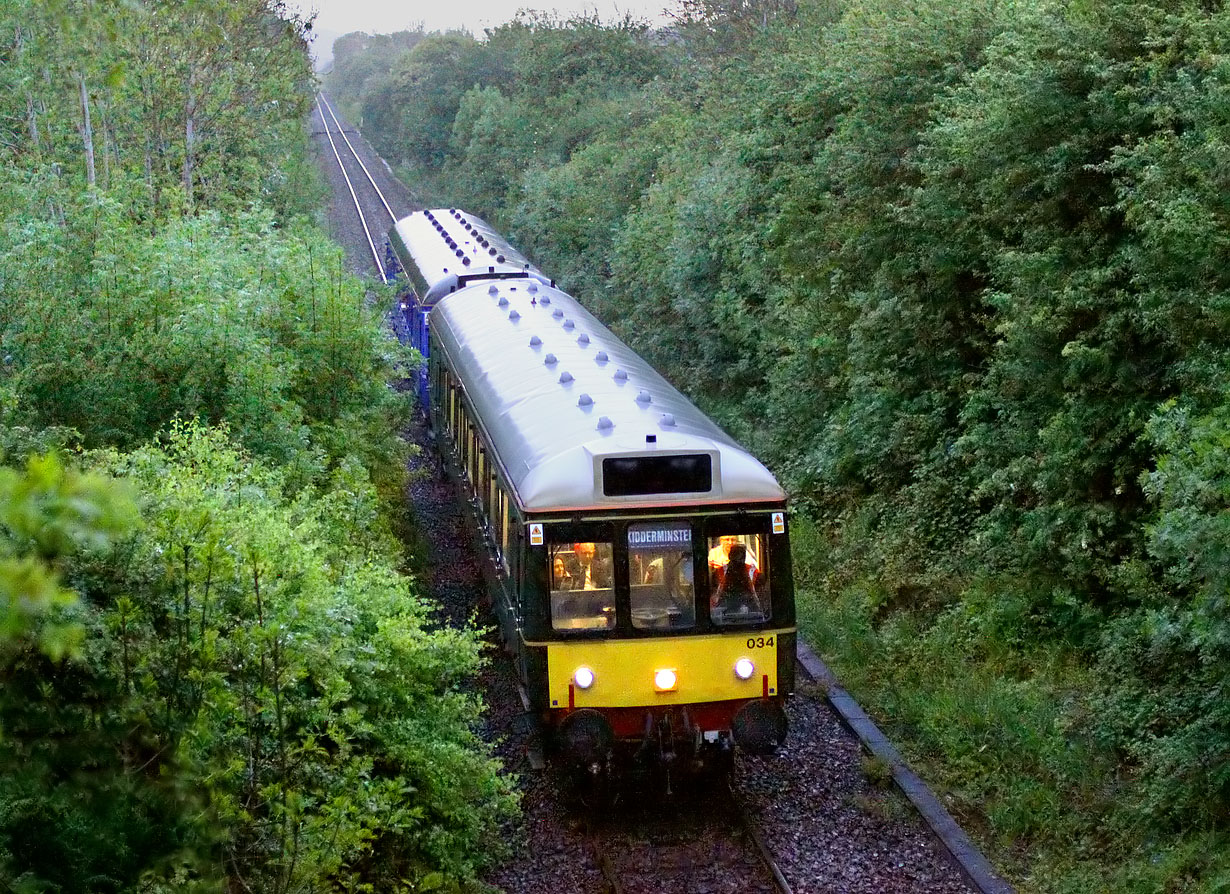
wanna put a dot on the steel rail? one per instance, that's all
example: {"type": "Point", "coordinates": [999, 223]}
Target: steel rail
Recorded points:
{"type": "Point", "coordinates": [766, 856]}
{"type": "Point", "coordinates": [354, 152]}
{"type": "Point", "coordinates": [609, 874]}
{"type": "Point", "coordinates": [353, 195]}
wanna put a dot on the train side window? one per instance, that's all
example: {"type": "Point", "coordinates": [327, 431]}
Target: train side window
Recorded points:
{"type": "Point", "coordinates": [504, 527]}
{"type": "Point", "coordinates": [454, 416]}
{"type": "Point", "coordinates": [738, 579]}
{"type": "Point", "coordinates": [582, 586]}
{"type": "Point", "coordinates": [481, 489]}
{"type": "Point", "coordinates": [471, 455]}
{"type": "Point", "coordinates": [660, 572]}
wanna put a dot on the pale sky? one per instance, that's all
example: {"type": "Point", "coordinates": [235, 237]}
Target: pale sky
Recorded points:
{"type": "Point", "coordinates": [338, 17]}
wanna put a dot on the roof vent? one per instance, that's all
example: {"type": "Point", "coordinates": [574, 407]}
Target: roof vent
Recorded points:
{"type": "Point", "coordinates": [532, 287]}
{"type": "Point", "coordinates": [550, 360]}
{"type": "Point", "coordinates": [582, 339]}
{"type": "Point", "coordinates": [500, 258]}
{"type": "Point", "coordinates": [491, 251]}
{"type": "Point", "coordinates": [642, 397]}
{"type": "Point", "coordinates": [601, 357]}
{"type": "Point", "coordinates": [605, 423]}
{"type": "Point", "coordinates": [465, 262]}
{"type": "Point", "coordinates": [535, 341]}
{"type": "Point", "coordinates": [569, 325]}
{"type": "Point", "coordinates": [585, 401]}
{"type": "Point", "coordinates": [565, 377]}
{"type": "Point", "coordinates": [514, 316]}
{"type": "Point", "coordinates": [503, 301]}
{"type": "Point", "coordinates": [557, 314]}
{"type": "Point", "coordinates": [668, 419]}
{"type": "Point", "coordinates": [493, 290]}
{"type": "Point", "coordinates": [545, 299]}
{"type": "Point", "coordinates": [621, 376]}
{"type": "Point", "coordinates": [651, 439]}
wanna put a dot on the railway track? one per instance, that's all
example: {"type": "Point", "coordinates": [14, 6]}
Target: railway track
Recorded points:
{"type": "Point", "coordinates": [805, 821]}
{"type": "Point", "coordinates": [705, 841]}
{"type": "Point", "coordinates": [365, 193]}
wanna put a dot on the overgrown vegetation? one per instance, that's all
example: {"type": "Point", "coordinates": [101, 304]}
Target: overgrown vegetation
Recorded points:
{"type": "Point", "coordinates": [213, 672]}
{"type": "Point", "coordinates": [959, 272]}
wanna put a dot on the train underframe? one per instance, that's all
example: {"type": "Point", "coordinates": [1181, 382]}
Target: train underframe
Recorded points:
{"type": "Point", "coordinates": [678, 740]}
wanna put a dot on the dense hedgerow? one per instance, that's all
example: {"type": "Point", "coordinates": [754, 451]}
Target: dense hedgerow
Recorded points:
{"type": "Point", "coordinates": [213, 673]}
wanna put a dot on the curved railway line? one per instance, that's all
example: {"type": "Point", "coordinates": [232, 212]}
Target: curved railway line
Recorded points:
{"type": "Point", "coordinates": [806, 820]}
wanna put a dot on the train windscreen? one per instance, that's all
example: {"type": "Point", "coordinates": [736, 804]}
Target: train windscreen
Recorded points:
{"type": "Point", "coordinates": [738, 580]}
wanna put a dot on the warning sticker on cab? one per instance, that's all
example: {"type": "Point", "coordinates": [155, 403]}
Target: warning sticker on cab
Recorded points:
{"type": "Point", "coordinates": [536, 535]}
{"type": "Point", "coordinates": [779, 523]}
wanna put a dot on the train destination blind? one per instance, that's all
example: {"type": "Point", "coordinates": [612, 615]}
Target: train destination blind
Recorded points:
{"type": "Point", "coordinates": [646, 539]}
{"type": "Point", "coordinates": [637, 475]}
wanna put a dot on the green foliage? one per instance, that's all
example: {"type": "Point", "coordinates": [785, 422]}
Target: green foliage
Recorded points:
{"type": "Point", "coordinates": [1171, 657]}
{"type": "Point", "coordinates": [242, 692]}
{"type": "Point", "coordinates": [47, 513]}
{"type": "Point", "coordinates": [361, 60]}
{"type": "Point", "coordinates": [534, 92]}
{"type": "Point", "coordinates": [171, 103]}
{"type": "Point", "coordinates": [237, 321]}
{"type": "Point", "coordinates": [262, 701]}
{"type": "Point", "coordinates": [431, 79]}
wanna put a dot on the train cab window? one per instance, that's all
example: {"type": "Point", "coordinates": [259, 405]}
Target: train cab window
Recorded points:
{"type": "Point", "coordinates": [738, 579]}
{"type": "Point", "coordinates": [660, 572]}
{"type": "Point", "coordinates": [582, 586]}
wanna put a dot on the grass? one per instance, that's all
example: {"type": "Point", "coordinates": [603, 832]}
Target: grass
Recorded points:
{"type": "Point", "coordinates": [1005, 730]}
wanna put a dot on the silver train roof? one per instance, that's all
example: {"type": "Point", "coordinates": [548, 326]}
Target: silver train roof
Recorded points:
{"type": "Point", "coordinates": [443, 249]}
{"type": "Point", "coordinates": [557, 392]}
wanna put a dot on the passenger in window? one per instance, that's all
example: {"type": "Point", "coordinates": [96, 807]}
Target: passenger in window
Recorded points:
{"type": "Point", "coordinates": [673, 569]}
{"type": "Point", "coordinates": [736, 592]}
{"type": "Point", "coordinates": [587, 571]}
{"type": "Point", "coordinates": [561, 579]}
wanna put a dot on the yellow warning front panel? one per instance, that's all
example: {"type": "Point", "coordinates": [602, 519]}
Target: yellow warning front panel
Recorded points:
{"type": "Point", "coordinates": [624, 670]}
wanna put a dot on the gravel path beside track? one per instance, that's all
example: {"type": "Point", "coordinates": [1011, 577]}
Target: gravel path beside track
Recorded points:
{"type": "Point", "coordinates": [828, 827]}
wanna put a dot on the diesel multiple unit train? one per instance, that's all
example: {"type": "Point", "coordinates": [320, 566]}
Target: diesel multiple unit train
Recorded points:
{"type": "Point", "coordinates": [639, 557]}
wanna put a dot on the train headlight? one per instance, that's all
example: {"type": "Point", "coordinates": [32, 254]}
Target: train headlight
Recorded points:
{"type": "Point", "coordinates": [665, 679]}
{"type": "Point", "coordinates": [583, 677]}
{"type": "Point", "coordinates": [744, 668]}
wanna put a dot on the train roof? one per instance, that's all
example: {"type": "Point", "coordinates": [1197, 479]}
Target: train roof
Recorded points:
{"type": "Point", "coordinates": [558, 394]}
{"type": "Point", "coordinates": [442, 250]}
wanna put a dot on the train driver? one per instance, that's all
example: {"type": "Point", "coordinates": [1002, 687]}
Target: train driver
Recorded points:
{"type": "Point", "coordinates": [736, 593]}
{"type": "Point", "coordinates": [719, 556]}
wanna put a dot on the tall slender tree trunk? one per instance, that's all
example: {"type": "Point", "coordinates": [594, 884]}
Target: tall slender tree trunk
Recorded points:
{"type": "Point", "coordinates": [189, 144]}
{"type": "Point", "coordinates": [51, 88]}
{"type": "Point", "coordinates": [108, 143]}
{"type": "Point", "coordinates": [87, 133]}
{"type": "Point", "coordinates": [32, 122]}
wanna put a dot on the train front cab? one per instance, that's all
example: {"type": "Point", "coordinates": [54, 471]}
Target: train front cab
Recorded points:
{"type": "Point", "coordinates": [649, 657]}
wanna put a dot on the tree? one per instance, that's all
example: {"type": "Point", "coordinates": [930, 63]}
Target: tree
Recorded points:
{"type": "Point", "coordinates": [48, 512]}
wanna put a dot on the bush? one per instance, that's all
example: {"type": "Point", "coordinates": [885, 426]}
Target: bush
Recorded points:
{"type": "Point", "coordinates": [259, 701]}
